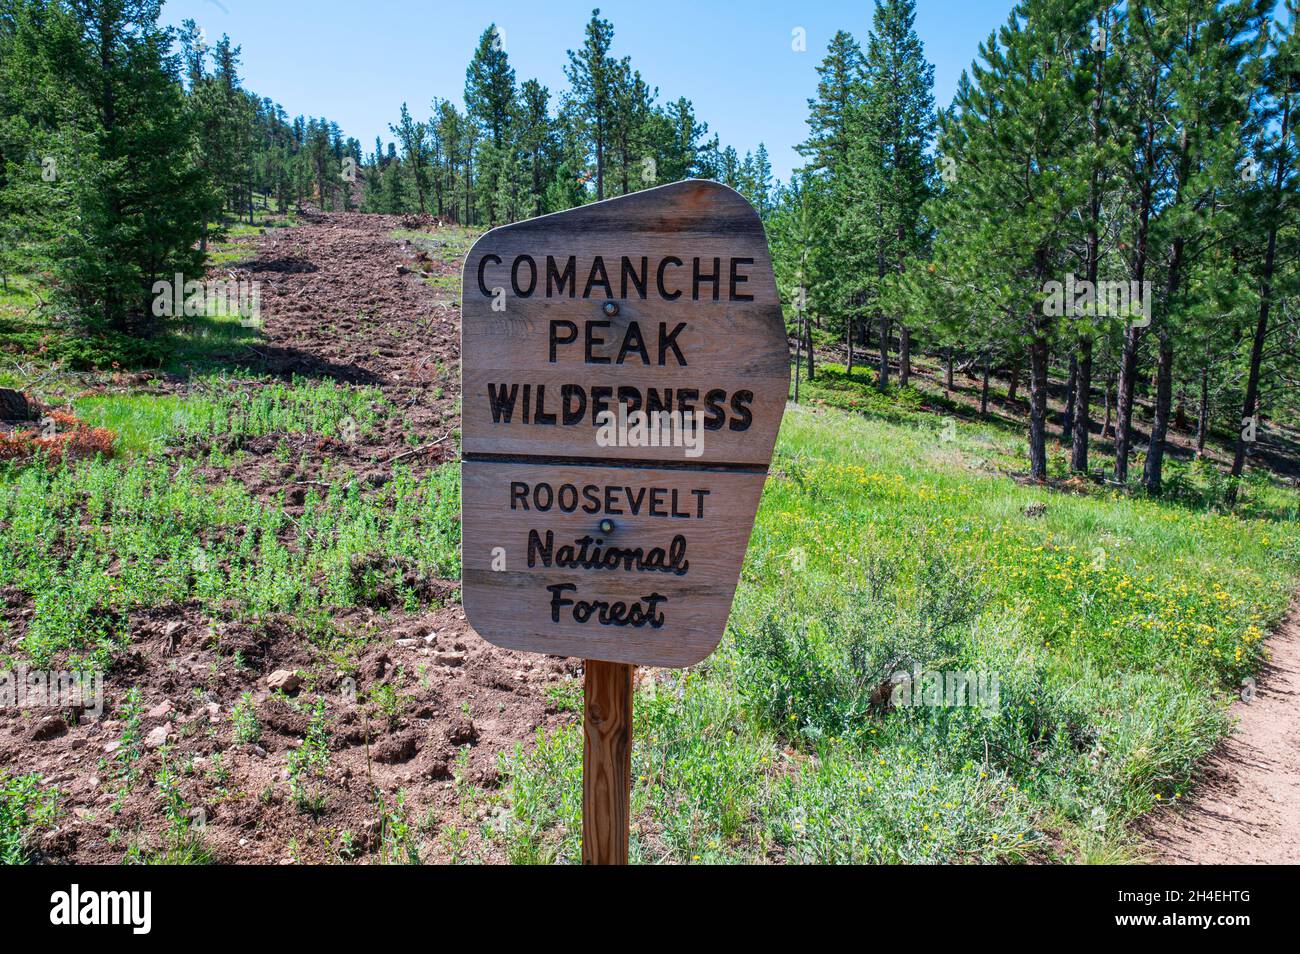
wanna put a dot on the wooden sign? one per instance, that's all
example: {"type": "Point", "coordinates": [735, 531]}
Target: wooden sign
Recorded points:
{"type": "Point", "coordinates": [624, 370]}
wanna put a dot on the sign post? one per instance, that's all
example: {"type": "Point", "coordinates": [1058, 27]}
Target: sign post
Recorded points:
{"type": "Point", "coordinates": [624, 369]}
{"type": "Point", "coordinates": [606, 761]}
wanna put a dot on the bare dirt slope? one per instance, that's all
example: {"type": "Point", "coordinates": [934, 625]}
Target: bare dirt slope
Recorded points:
{"type": "Point", "coordinates": [1248, 808]}
{"type": "Point", "coordinates": [342, 299]}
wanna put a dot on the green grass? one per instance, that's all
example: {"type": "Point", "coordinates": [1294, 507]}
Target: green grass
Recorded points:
{"type": "Point", "coordinates": [92, 542]}
{"type": "Point", "coordinates": [142, 422]}
{"type": "Point", "coordinates": [1117, 627]}
{"type": "Point", "coordinates": [449, 244]}
{"type": "Point", "coordinates": [25, 808]}
{"type": "Point", "coordinates": [30, 335]}
{"type": "Point", "coordinates": [234, 243]}
{"type": "Point", "coordinates": [222, 408]}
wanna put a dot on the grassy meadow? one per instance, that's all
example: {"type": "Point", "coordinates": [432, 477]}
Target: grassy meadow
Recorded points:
{"type": "Point", "coordinates": [1115, 629]}
{"type": "Point", "coordinates": [1118, 628]}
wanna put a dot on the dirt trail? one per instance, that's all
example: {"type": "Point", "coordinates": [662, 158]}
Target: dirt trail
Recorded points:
{"type": "Point", "coordinates": [1248, 810]}
{"type": "Point", "coordinates": [343, 299]}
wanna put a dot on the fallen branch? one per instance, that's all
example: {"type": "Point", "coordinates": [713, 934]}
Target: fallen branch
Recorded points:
{"type": "Point", "coordinates": [417, 450]}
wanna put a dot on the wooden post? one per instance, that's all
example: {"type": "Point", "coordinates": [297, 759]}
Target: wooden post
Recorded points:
{"type": "Point", "coordinates": [606, 762]}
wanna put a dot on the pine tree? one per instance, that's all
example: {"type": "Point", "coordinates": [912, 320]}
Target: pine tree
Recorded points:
{"type": "Point", "coordinates": [593, 74]}
{"type": "Point", "coordinates": [536, 141]}
{"type": "Point", "coordinates": [681, 158]}
{"type": "Point", "coordinates": [415, 153]}
{"type": "Point", "coordinates": [1009, 138]}
{"type": "Point", "coordinates": [136, 195]}
{"type": "Point", "coordinates": [633, 107]}
{"type": "Point", "coordinates": [886, 171]}
{"type": "Point", "coordinates": [1274, 208]}
{"type": "Point", "coordinates": [490, 88]}
{"type": "Point", "coordinates": [830, 114]}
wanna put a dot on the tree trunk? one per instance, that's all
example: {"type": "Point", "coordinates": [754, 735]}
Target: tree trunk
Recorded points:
{"type": "Point", "coordinates": [1083, 382]}
{"type": "Point", "coordinates": [1082, 409]}
{"type": "Point", "coordinates": [904, 355]}
{"type": "Point", "coordinates": [798, 356]}
{"type": "Point", "coordinates": [1164, 376]}
{"type": "Point", "coordinates": [1152, 471]}
{"type": "Point", "coordinates": [1067, 419]}
{"type": "Point", "coordinates": [848, 337]}
{"type": "Point", "coordinates": [1203, 414]}
{"type": "Point", "coordinates": [1124, 402]}
{"type": "Point", "coordinates": [947, 371]}
{"type": "Point", "coordinates": [984, 387]}
{"type": "Point", "coordinates": [1249, 404]}
{"type": "Point", "coordinates": [1110, 387]}
{"type": "Point", "coordinates": [882, 378]}
{"type": "Point", "coordinates": [1038, 408]}
{"type": "Point", "coordinates": [1014, 386]}
{"type": "Point", "coordinates": [808, 344]}
{"type": "Point", "coordinates": [1128, 366]}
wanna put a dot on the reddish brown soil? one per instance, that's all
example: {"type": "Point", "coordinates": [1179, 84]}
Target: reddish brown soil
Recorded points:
{"type": "Point", "coordinates": [1247, 810]}
{"type": "Point", "coordinates": [340, 299]}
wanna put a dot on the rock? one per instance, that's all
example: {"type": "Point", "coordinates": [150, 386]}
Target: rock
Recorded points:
{"type": "Point", "coordinates": [17, 406]}
{"type": "Point", "coordinates": [449, 659]}
{"type": "Point", "coordinates": [51, 727]}
{"type": "Point", "coordinates": [258, 751]}
{"type": "Point", "coordinates": [286, 680]}
{"type": "Point", "coordinates": [112, 747]}
{"type": "Point", "coordinates": [378, 666]}
{"type": "Point", "coordinates": [395, 748]}
{"type": "Point", "coordinates": [404, 643]}
{"type": "Point", "coordinates": [158, 737]}
{"type": "Point", "coordinates": [431, 639]}
{"type": "Point", "coordinates": [462, 732]}
{"type": "Point", "coordinates": [161, 711]}
{"type": "Point", "coordinates": [485, 776]}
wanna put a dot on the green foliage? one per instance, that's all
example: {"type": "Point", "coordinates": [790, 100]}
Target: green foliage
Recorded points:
{"type": "Point", "coordinates": [243, 719]}
{"type": "Point", "coordinates": [25, 808]}
{"type": "Point", "coordinates": [96, 164]}
{"type": "Point", "coordinates": [88, 543]}
{"type": "Point", "coordinates": [130, 747]}
{"type": "Point", "coordinates": [308, 763]}
{"type": "Point", "coordinates": [1117, 629]}
{"type": "Point", "coordinates": [301, 406]}
{"type": "Point", "coordinates": [819, 675]}
{"type": "Point", "coordinates": [398, 841]}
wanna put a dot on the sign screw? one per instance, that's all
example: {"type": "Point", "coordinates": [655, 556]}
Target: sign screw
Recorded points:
{"type": "Point", "coordinates": [610, 308]}
{"type": "Point", "coordinates": [607, 526]}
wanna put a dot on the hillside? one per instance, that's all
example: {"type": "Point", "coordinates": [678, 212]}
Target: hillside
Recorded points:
{"type": "Point", "coordinates": [267, 569]}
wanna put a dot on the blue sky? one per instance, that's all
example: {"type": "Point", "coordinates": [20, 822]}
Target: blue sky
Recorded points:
{"type": "Point", "coordinates": [357, 62]}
